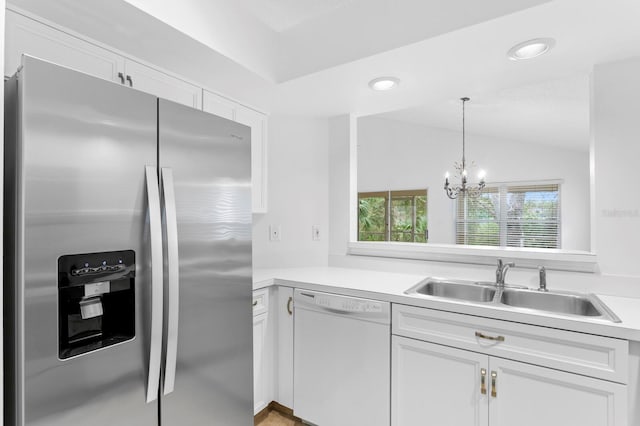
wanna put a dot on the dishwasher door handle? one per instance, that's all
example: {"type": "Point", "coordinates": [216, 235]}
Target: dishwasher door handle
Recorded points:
{"type": "Point", "coordinates": [342, 305]}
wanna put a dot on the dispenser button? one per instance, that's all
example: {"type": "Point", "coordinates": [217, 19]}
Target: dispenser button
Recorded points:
{"type": "Point", "coordinates": [91, 307]}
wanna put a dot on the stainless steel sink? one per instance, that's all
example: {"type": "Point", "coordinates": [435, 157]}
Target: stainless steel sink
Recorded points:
{"type": "Point", "coordinates": [451, 289]}
{"type": "Point", "coordinates": [585, 305]}
{"type": "Point", "coordinates": [564, 303]}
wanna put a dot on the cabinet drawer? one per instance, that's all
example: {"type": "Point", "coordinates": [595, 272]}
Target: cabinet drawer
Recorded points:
{"type": "Point", "coordinates": [260, 301]}
{"type": "Point", "coordinates": [590, 355]}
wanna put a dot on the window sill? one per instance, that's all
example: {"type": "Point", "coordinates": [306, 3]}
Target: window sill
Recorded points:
{"type": "Point", "coordinates": [566, 260]}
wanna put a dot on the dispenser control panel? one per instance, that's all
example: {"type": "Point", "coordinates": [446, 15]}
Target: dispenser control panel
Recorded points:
{"type": "Point", "coordinates": [96, 301]}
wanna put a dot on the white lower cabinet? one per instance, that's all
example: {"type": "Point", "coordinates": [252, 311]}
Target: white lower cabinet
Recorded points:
{"type": "Point", "coordinates": [261, 365]}
{"type": "Point", "coordinates": [440, 385]}
{"type": "Point", "coordinates": [259, 345]}
{"type": "Point", "coordinates": [284, 346]}
{"type": "Point", "coordinates": [434, 383]}
{"type": "Point", "coordinates": [528, 395]}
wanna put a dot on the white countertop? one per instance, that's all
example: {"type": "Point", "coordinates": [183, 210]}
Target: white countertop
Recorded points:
{"type": "Point", "coordinates": [390, 287]}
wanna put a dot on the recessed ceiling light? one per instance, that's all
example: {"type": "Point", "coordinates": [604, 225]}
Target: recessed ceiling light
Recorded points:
{"type": "Point", "coordinates": [384, 83]}
{"type": "Point", "coordinates": [531, 48]}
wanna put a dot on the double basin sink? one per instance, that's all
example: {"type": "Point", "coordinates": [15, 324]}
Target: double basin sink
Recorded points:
{"type": "Point", "coordinates": [564, 303]}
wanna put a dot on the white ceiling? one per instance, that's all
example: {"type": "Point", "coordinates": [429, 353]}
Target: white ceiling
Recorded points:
{"type": "Point", "coordinates": [281, 15]}
{"type": "Point", "coordinates": [554, 112]}
{"type": "Point", "coordinates": [315, 57]}
{"type": "Point", "coordinates": [544, 100]}
{"type": "Point", "coordinates": [286, 39]}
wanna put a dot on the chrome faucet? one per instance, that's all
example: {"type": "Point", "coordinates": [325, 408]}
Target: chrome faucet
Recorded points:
{"type": "Point", "coordinates": [501, 272]}
{"type": "Point", "coordinates": [543, 278]}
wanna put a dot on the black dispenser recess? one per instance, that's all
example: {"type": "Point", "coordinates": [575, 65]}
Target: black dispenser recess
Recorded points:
{"type": "Point", "coordinates": [96, 301]}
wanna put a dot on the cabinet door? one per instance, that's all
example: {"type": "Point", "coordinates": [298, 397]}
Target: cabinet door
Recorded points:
{"type": "Point", "coordinates": [528, 395]}
{"type": "Point", "coordinates": [284, 312]}
{"type": "Point", "coordinates": [259, 365]}
{"type": "Point", "coordinates": [162, 85]}
{"type": "Point", "coordinates": [218, 105]}
{"type": "Point", "coordinates": [258, 123]}
{"type": "Point", "coordinates": [437, 385]}
{"type": "Point", "coordinates": [24, 35]}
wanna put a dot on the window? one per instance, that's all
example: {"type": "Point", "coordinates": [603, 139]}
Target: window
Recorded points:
{"type": "Point", "coordinates": [511, 215]}
{"type": "Point", "coordinates": [393, 216]}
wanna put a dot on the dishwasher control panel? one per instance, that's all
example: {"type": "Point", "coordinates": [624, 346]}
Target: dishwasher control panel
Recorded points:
{"type": "Point", "coordinates": [354, 307]}
{"type": "Point", "coordinates": [348, 305]}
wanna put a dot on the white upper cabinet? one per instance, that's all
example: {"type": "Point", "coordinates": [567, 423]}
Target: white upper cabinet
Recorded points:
{"type": "Point", "coordinates": [147, 79]}
{"type": "Point", "coordinates": [258, 123]}
{"type": "Point", "coordinates": [219, 105]}
{"type": "Point", "coordinates": [24, 35]}
{"type": "Point", "coordinates": [223, 107]}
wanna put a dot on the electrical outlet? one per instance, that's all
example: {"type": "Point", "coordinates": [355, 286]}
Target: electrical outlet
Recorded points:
{"type": "Point", "coordinates": [274, 232]}
{"type": "Point", "coordinates": [315, 232]}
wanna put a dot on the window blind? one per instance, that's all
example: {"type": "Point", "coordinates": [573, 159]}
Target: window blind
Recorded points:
{"type": "Point", "coordinates": [511, 215]}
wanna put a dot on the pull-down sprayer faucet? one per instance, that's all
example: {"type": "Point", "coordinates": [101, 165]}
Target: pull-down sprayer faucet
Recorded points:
{"type": "Point", "coordinates": [501, 272]}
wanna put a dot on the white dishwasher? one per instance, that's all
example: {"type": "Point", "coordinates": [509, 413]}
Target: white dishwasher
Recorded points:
{"type": "Point", "coordinates": [341, 360]}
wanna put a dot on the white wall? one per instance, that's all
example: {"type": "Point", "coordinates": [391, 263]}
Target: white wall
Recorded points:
{"type": "Point", "coordinates": [398, 155]}
{"type": "Point", "coordinates": [615, 134]}
{"type": "Point", "coordinates": [298, 155]}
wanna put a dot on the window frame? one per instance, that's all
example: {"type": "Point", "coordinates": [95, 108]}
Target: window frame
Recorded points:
{"type": "Point", "coordinates": [388, 201]}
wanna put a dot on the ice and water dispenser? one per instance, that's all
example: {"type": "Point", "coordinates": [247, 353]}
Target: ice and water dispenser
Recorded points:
{"type": "Point", "coordinates": [96, 301]}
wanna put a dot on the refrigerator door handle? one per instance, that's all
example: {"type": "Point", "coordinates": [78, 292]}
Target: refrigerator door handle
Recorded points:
{"type": "Point", "coordinates": [173, 289]}
{"type": "Point", "coordinates": [155, 231]}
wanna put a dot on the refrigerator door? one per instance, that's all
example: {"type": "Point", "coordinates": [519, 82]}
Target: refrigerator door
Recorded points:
{"type": "Point", "coordinates": [80, 187]}
{"type": "Point", "coordinates": [210, 162]}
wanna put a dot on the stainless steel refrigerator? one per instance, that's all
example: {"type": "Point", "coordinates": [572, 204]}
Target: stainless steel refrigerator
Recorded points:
{"type": "Point", "coordinates": [128, 257]}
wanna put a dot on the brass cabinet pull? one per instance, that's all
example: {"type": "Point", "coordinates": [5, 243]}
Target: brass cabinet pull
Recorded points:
{"type": "Point", "coordinates": [495, 338]}
{"type": "Point", "coordinates": [494, 391]}
{"type": "Point", "coordinates": [483, 381]}
{"type": "Point", "coordinates": [255, 303]}
{"type": "Point", "coordinates": [289, 305]}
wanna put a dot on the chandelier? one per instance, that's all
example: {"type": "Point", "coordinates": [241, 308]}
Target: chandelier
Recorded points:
{"type": "Point", "coordinates": [461, 172]}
